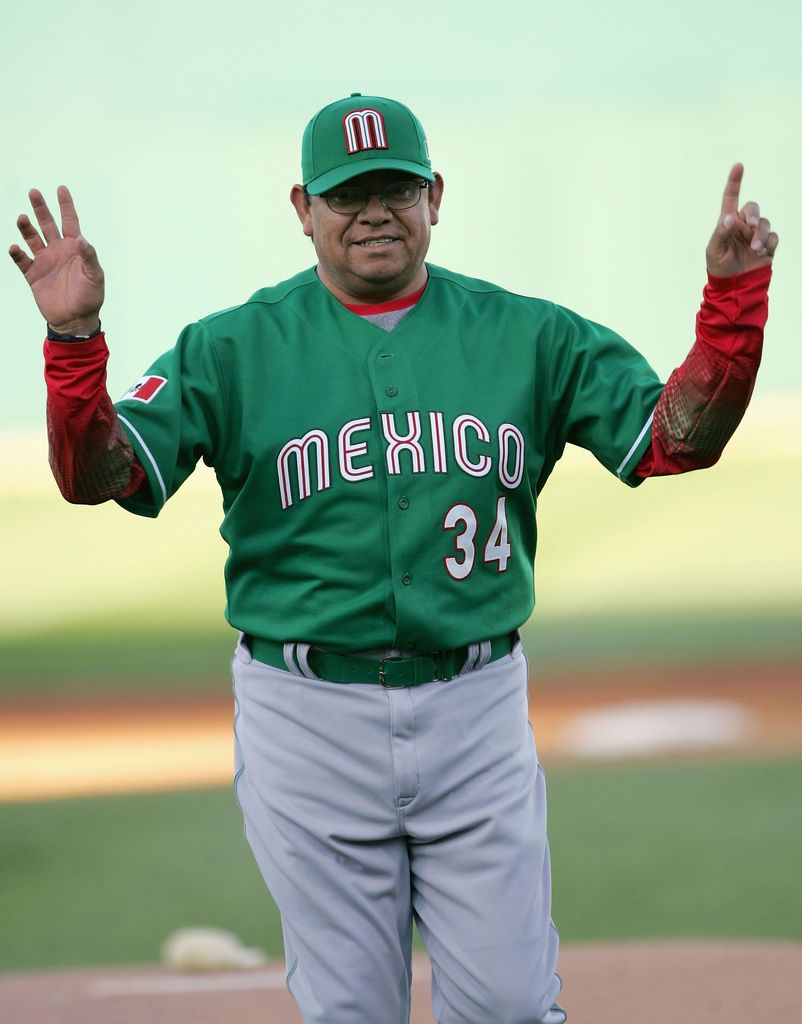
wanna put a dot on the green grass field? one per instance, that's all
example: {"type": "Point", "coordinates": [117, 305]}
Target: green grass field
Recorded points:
{"type": "Point", "coordinates": [705, 849]}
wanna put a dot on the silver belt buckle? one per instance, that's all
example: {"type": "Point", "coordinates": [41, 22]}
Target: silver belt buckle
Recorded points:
{"type": "Point", "coordinates": [383, 677]}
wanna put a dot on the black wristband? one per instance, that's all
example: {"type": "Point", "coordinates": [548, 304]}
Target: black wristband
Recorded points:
{"type": "Point", "coordinates": [55, 336]}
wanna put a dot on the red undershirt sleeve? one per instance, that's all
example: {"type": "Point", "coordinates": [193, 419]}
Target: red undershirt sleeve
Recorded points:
{"type": "Point", "coordinates": [705, 398]}
{"type": "Point", "coordinates": [90, 454]}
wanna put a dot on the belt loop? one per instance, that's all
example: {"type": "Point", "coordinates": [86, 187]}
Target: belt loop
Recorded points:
{"type": "Point", "coordinates": [302, 653]}
{"type": "Point", "coordinates": [470, 661]}
{"type": "Point", "coordinates": [485, 650]}
{"type": "Point", "coordinates": [289, 659]}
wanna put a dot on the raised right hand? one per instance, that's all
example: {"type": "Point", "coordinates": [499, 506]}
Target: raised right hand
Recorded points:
{"type": "Point", "coordinates": [64, 274]}
{"type": "Point", "coordinates": [742, 240]}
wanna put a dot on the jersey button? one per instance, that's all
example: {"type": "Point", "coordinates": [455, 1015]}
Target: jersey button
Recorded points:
{"type": "Point", "coordinates": [391, 392]}
{"type": "Point", "coordinates": [403, 502]}
{"type": "Point", "coordinates": [406, 579]}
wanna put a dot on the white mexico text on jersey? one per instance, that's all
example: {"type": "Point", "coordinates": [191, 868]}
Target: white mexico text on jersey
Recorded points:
{"type": "Point", "coordinates": [355, 460]}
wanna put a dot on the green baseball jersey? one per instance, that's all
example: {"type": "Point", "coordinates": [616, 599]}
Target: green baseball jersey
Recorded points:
{"type": "Point", "coordinates": [380, 489]}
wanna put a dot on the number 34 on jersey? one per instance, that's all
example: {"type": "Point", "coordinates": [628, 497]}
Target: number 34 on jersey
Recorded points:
{"type": "Point", "coordinates": [463, 520]}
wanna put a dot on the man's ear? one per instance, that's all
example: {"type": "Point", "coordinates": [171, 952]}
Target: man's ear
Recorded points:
{"type": "Point", "coordinates": [300, 200]}
{"type": "Point", "coordinates": [435, 197]}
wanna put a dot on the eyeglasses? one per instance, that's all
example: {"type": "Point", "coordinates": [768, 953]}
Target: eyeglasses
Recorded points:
{"type": "Point", "coordinates": [350, 199]}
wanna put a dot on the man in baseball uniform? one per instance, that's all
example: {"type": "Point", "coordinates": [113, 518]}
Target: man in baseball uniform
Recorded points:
{"type": "Point", "coordinates": [381, 429]}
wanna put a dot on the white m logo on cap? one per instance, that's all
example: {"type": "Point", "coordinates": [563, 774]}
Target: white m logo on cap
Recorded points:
{"type": "Point", "coordinates": [364, 129]}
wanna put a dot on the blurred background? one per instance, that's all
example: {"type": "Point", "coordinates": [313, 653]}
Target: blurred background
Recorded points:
{"type": "Point", "coordinates": [584, 148]}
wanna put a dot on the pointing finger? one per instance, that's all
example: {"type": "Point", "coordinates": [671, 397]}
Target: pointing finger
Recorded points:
{"type": "Point", "coordinates": [44, 216]}
{"type": "Point", "coordinates": [732, 190]}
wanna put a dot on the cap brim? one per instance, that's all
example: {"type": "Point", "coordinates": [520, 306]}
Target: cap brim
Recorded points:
{"type": "Point", "coordinates": [344, 173]}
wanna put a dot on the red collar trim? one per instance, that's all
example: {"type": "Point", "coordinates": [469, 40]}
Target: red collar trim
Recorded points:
{"type": "Point", "coordinates": [386, 307]}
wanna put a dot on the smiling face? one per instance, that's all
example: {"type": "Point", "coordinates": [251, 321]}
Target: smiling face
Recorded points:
{"type": "Point", "coordinates": [374, 255]}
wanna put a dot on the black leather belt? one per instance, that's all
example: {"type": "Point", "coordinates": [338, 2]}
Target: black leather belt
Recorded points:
{"type": "Point", "coordinates": [393, 671]}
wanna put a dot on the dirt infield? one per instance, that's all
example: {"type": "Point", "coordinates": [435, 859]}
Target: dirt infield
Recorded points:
{"type": "Point", "coordinates": [625, 983]}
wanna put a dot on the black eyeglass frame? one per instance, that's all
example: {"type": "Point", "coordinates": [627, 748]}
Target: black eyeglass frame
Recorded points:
{"type": "Point", "coordinates": [368, 194]}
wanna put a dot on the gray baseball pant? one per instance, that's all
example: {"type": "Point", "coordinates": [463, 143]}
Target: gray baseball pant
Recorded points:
{"type": "Point", "coordinates": [366, 807]}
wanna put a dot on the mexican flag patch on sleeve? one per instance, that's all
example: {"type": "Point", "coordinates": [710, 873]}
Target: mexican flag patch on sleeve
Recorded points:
{"type": "Point", "coordinates": [145, 389]}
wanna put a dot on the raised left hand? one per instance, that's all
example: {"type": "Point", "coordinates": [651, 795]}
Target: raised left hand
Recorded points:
{"type": "Point", "coordinates": [63, 270]}
{"type": "Point", "coordinates": [743, 240]}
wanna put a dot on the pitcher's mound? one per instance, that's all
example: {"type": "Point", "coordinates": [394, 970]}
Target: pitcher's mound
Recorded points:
{"type": "Point", "coordinates": [614, 983]}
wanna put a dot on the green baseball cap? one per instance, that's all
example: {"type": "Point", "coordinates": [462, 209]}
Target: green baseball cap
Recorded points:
{"type": "Point", "coordinates": [359, 134]}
